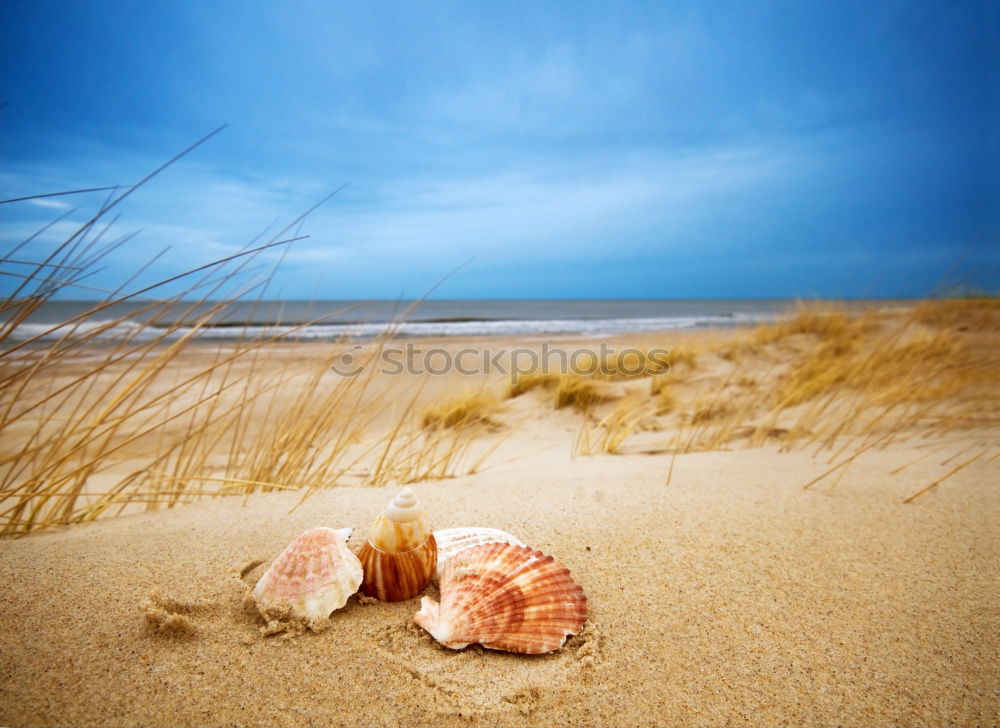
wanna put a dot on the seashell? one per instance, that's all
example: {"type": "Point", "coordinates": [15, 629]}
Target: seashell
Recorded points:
{"type": "Point", "coordinates": [505, 597]}
{"type": "Point", "coordinates": [400, 554]}
{"type": "Point", "coordinates": [452, 540]}
{"type": "Point", "coordinates": [315, 575]}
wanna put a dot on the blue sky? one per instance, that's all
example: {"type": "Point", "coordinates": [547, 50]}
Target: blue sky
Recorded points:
{"type": "Point", "coordinates": [568, 150]}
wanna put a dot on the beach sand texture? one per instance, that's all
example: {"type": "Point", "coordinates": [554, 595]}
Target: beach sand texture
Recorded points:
{"type": "Point", "coordinates": [730, 596]}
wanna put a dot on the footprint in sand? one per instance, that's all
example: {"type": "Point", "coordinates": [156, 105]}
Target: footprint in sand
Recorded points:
{"type": "Point", "coordinates": [166, 616]}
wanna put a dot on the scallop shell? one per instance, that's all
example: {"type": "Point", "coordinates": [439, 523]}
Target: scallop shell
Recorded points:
{"type": "Point", "coordinates": [315, 575]}
{"type": "Point", "coordinates": [505, 597]}
{"type": "Point", "coordinates": [452, 540]}
{"type": "Point", "coordinates": [400, 554]}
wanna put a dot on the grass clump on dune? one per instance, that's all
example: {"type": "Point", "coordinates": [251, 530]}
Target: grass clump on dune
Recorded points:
{"type": "Point", "coordinates": [658, 384]}
{"type": "Point", "coordinates": [462, 410]}
{"type": "Point", "coordinates": [532, 380]}
{"type": "Point", "coordinates": [634, 363]}
{"type": "Point", "coordinates": [630, 415]}
{"type": "Point", "coordinates": [823, 321]}
{"type": "Point", "coordinates": [581, 392]}
{"type": "Point", "coordinates": [683, 358]}
{"type": "Point", "coordinates": [848, 382]}
{"type": "Point", "coordinates": [969, 314]}
{"type": "Point", "coordinates": [864, 378]}
{"type": "Point", "coordinates": [591, 381]}
{"type": "Point", "coordinates": [709, 409]}
{"type": "Point", "coordinates": [917, 368]}
{"type": "Point", "coordinates": [665, 401]}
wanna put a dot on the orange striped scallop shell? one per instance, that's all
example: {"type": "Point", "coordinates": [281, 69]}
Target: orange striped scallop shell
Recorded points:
{"type": "Point", "coordinates": [504, 597]}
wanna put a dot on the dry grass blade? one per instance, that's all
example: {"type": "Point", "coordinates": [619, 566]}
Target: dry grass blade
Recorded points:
{"type": "Point", "coordinates": [627, 417]}
{"type": "Point", "coordinates": [950, 473]}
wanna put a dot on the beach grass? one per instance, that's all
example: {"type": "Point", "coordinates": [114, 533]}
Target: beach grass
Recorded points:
{"type": "Point", "coordinates": [91, 429]}
{"type": "Point", "coordinates": [526, 382]}
{"type": "Point", "coordinates": [830, 378]}
{"type": "Point", "coordinates": [465, 409]}
{"type": "Point", "coordinates": [581, 392]}
{"type": "Point", "coordinates": [101, 414]}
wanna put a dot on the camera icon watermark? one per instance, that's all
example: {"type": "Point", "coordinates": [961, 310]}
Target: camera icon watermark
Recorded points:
{"type": "Point", "coordinates": [350, 363]}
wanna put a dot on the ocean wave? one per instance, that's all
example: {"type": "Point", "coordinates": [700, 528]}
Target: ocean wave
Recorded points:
{"type": "Point", "coordinates": [107, 331]}
{"type": "Point", "coordinates": [97, 330]}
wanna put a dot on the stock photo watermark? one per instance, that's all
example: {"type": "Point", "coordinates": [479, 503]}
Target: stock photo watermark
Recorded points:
{"type": "Point", "coordinates": [412, 359]}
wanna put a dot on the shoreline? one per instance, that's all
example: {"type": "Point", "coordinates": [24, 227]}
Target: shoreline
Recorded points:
{"type": "Point", "coordinates": [593, 313]}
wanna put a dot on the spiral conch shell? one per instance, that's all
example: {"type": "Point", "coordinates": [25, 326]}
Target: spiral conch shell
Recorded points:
{"type": "Point", "coordinates": [315, 575]}
{"type": "Point", "coordinates": [401, 553]}
{"type": "Point", "coordinates": [505, 597]}
{"type": "Point", "coordinates": [452, 540]}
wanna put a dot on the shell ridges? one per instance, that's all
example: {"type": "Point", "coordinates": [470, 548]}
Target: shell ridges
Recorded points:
{"type": "Point", "coordinates": [315, 575]}
{"type": "Point", "coordinates": [452, 540]}
{"type": "Point", "coordinates": [505, 597]}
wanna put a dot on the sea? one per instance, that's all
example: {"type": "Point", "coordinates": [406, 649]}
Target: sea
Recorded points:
{"type": "Point", "coordinates": [333, 320]}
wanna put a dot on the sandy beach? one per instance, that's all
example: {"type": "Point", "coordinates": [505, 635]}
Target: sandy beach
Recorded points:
{"type": "Point", "coordinates": [720, 592]}
{"type": "Point", "coordinates": [697, 304]}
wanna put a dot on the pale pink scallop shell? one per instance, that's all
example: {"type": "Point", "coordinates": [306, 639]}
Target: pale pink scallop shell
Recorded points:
{"type": "Point", "coordinates": [504, 597]}
{"type": "Point", "coordinates": [315, 575]}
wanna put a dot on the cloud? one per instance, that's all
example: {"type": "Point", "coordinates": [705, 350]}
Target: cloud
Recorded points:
{"type": "Point", "coordinates": [615, 216]}
{"type": "Point", "coordinates": [385, 232]}
{"type": "Point", "coordinates": [526, 93]}
{"type": "Point", "coordinates": [552, 209]}
{"type": "Point", "coordinates": [554, 92]}
{"type": "Point", "coordinates": [50, 203]}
